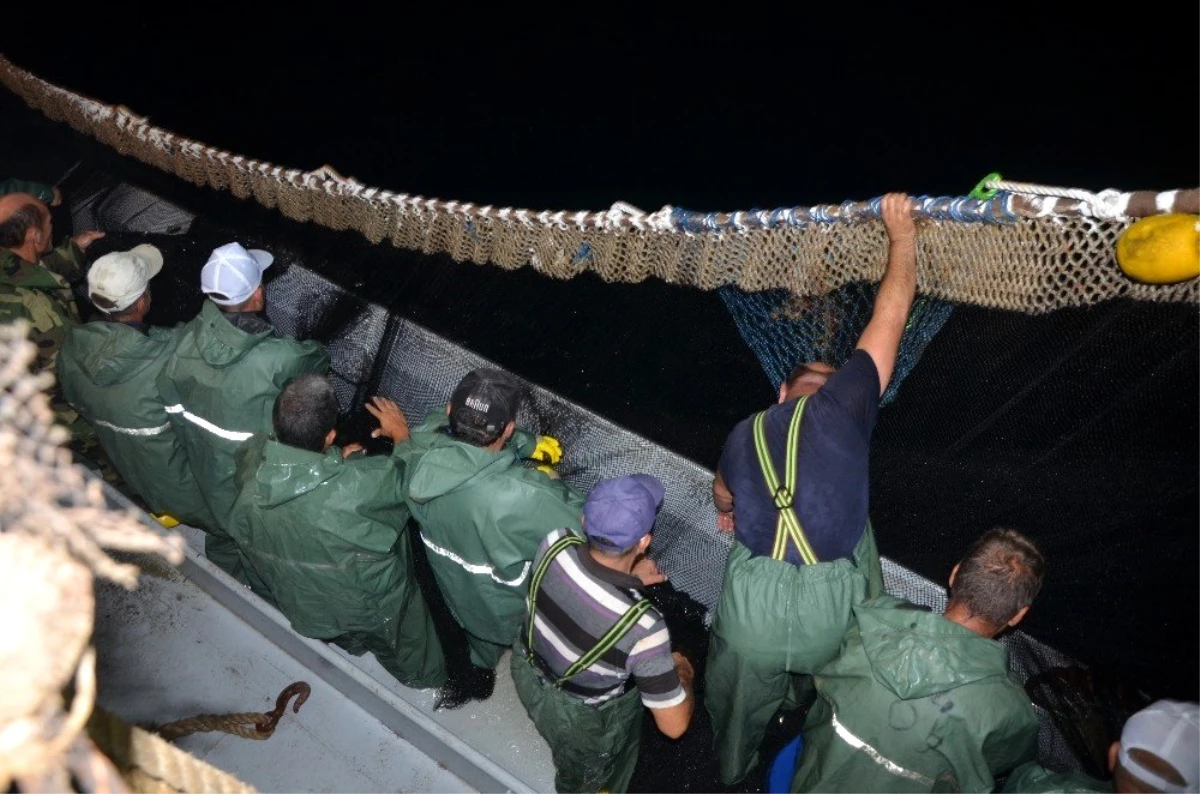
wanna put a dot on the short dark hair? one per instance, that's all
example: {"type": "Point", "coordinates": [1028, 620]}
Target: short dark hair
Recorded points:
{"type": "Point", "coordinates": [305, 411]}
{"type": "Point", "coordinates": [1000, 575]}
{"type": "Point", "coordinates": [13, 229]}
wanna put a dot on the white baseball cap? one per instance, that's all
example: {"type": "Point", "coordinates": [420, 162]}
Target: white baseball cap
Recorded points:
{"type": "Point", "coordinates": [122, 276]}
{"type": "Point", "coordinates": [1170, 729]}
{"type": "Point", "coordinates": [233, 273]}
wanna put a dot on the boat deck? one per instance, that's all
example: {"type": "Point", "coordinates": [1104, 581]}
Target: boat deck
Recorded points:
{"type": "Point", "coordinates": [193, 641]}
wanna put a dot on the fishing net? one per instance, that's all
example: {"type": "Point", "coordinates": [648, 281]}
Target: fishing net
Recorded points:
{"type": "Point", "coordinates": [1041, 252]}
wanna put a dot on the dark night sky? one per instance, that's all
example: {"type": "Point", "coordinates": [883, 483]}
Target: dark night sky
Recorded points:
{"type": "Point", "coordinates": [720, 109]}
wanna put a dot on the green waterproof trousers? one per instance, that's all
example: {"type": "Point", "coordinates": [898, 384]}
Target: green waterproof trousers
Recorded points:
{"type": "Point", "coordinates": [408, 648]}
{"type": "Point", "coordinates": [222, 551]}
{"type": "Point", "coordinates": [595, 748]}
{"type": "Point", "coordinates": [774, 621]}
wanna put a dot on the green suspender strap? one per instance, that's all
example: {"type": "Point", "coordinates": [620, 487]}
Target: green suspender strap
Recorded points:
{"type": "Point", "coordinates": [611, 637]}
{"type": "Point", "coordinates": [783, 494]}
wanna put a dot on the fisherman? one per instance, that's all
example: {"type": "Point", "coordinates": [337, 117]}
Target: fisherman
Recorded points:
{"type": "Point", "coordinates": [792, 485]}
{"type": "Point", "coordinates": [35, 285]}
{"type": "Point", "coordinates": [1159, 751]}
{"type": "Point", "coordinates": [919, 701]}
{"type": "Point", "coordinates": [482, 513]}
{"type": "Point", "coordinates": [220, 386]}
{"type": "Point", "coordinates": [50, 195]}
{"type": "Point", "coordinates": [323, 531]}
{"type": "Point", "coordinates": [109, 369]}
{"type": "Point", "coordinates": [593, 651]}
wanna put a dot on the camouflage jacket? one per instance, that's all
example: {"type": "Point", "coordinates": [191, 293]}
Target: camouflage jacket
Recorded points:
{"type": "Point", "coordinates": [41, 293]}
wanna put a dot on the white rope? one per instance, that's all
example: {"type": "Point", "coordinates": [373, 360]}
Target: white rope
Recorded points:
{"type": "Point", "coordinates": [1107, 204]}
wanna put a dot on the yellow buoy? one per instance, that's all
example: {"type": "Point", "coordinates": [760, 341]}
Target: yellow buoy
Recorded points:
{"type": "Point", "coordinates": [1161, 249]}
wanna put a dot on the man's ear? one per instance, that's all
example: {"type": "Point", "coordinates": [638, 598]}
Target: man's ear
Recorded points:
{"type": "Point", "coordinates": [954, 574]}
{"type": "Point", "coordinates": [1113, 749]}
{"type": "Point", "coordinates": [509, 429]}
{"type": "Point", "coordinates": [330, 437]}
{"type": "Point", "coordinates": [644, 543]}
{"type": "Point", "coordinates": [782, 393]}
{"type": "Point", "coordinates": [1017, 618]}
{"type": "Point", "coordinates": [447, 409]}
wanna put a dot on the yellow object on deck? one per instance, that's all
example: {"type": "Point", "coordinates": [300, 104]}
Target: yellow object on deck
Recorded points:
{"type": "Point", "coordinates": [166, 519]}
{"type": "Point", "coordinates": [1161, 249]}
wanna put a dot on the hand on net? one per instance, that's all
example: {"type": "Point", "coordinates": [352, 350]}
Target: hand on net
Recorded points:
{"type": "Point", "coordinates": [647, 570]}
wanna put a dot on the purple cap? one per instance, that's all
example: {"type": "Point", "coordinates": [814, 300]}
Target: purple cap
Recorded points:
{"type": "Point", "coordinates": [621, 511]}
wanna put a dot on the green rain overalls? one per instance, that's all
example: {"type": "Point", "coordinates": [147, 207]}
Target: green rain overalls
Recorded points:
{"type": "Point", "coordinates": [776, 620]}
{"type": "Point", "coordinates": [595, 748]}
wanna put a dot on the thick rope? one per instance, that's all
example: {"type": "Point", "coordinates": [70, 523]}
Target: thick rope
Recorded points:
{"type": "Point", "coordinates": [1022, 252]}
{"type": "Point", "coordinates": [54, 530]}
{"type": "Point", "coordinates": [150, 763]}
{"type": "Point", "coordinates": [1108, 204]}
{"type": "Point", "coordinates": [248, 725]}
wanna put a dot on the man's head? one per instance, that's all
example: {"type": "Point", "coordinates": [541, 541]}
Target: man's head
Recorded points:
{"type": "Point", "coordinates": [483, 407]}
{"type": "Point", "coordinates": [119, 283]}
{"type": "Point", "coordinates": [232, 277]}
{"type": "Point", "coordinates": [305, 413]}
{"type": "Point", "coordinates": [25, 224]}
{"type": "Point", "coordinates": [996, 582]}
{"type": "Point", "coordinates": [804, 380]}
{"type": "Point", "coordinates": [1159, 750]}
{"type": "Point", "coordinates": [619, 513]}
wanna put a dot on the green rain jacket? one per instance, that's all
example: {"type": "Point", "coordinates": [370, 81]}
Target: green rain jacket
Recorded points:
{"type": "Point", "coordinates": [108, 373]}
{"type": "Point", "coordinates": [219, 390]}
{"type": "Point", "coordinates": [1033, 778]}
{"type": "Point", "coordinates": [482, 515]}
{"type": "Point", "coordinates": [325, 539]}
{"type": "Point", "coordinates": [915, 702]}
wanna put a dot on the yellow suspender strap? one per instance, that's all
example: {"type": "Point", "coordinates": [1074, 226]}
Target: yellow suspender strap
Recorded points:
{"type": "Point", "coordinates": [784, 494]}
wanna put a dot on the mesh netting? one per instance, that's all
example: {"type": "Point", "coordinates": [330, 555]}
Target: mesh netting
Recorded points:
{"type": "Point", "coordinates": [784, 329]}
{"type": "Point", "coordinates": [1030, 253]}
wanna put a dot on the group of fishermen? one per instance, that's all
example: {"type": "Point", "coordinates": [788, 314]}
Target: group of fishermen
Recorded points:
{"type": "Point", "coordinates": [225, 424]}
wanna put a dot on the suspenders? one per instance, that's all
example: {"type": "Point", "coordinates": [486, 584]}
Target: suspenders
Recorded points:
{"type": "Point", "coordinates": [603, 645]}
{"type": "Point", "coordinates": [787, 526]}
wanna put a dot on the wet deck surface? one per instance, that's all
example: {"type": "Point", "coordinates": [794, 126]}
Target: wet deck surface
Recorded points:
{"type": "Point", "coordinates": [168, 651]}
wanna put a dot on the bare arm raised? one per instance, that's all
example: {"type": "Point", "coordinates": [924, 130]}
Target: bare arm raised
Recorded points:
{"type": "Point", "coordinates": [881, 337]}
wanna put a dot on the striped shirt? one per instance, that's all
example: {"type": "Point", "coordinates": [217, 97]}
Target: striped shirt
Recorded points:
{"type": "Point", "coordinates": [578, 601]}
